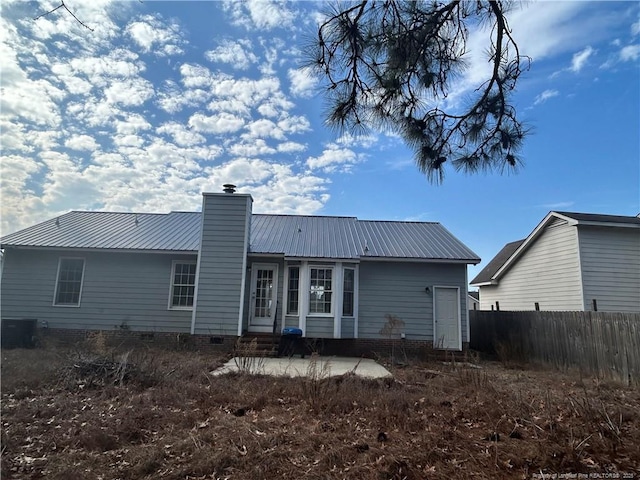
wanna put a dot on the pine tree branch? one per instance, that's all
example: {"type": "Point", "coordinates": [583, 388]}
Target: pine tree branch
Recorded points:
{"type": "Point", "coordinates": [62, 5]}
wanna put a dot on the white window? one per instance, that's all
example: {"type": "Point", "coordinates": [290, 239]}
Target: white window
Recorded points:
{"type": "Point", "coordinates": [69, 282]}
{"type": "Point", "coordinates": [321, 290]}
{"type": "Point", "coordinates": [348, 292]}
{"type": "Point", "coordinates": [293, 290]}
{"type": "Point", "coordinates": [183, 285]}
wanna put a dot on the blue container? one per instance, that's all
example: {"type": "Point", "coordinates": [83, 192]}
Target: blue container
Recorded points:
{"type": "Point", "coordinates": [291, 332]}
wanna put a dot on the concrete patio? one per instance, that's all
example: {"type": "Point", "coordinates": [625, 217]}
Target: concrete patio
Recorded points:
{"type": "Point", "coordinates": [299, 367]}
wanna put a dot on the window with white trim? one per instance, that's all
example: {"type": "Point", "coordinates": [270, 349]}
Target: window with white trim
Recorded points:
{"type": "Point", "coordinates": [293, 291]}
{"type": "Point", "coordinates": [348, 292]}
{"type": "Point", "coordinates": [320, 290]}
{"type": "Point", "coordinates": [69, 282]}
{"type": "Point", "coordinates": [183, 284]}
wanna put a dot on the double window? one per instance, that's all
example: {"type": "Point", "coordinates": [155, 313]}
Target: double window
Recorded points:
{"type": "Point", "coordinates": [69, 282]}
{"type": "Point", "coordinates": [320, 290]}
{"type": "Point", "coordinates": [183, 284]}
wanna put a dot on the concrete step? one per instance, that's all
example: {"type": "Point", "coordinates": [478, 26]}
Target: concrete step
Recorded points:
{"type": "Point", "coordinates": [266, 345]}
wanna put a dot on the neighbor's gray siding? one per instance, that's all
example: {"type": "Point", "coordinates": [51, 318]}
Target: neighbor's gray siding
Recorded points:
{"type": "Point", "coordinates": [610, 259]}
{"type": "Point", "coordinates": [399, 289]}
{"type": "Point", "coordinates": [129, 290]}
{"type": "Point", "coordinates": [220, 271]}
{"type": "Point", "coordinates": [548, 272]}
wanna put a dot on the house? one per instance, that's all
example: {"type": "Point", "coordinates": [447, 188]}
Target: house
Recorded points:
{"type": "Point", "coordinates": [224, 272]}
{"type": "Point", "coordinates": [571, 262]}
{"type": "Point", "coordinates": [473, 300]}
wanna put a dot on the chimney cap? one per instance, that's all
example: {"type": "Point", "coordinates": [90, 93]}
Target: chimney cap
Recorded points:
{"type": "Point", "coordinates": [229, 188]}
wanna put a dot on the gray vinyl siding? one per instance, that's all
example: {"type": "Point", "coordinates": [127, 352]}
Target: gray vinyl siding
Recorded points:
{"type": "Point", "coordinates": [291, 321]}
{"type": "Point", "coordinates": [399, 289]}
{"type": "Point", "coordinates": [610, 260]}
{"type": "Point", "coordinates": [548, 272]}
{"type": "Point", "coordinates": [128, 290]}
{"type": "Point", "coordinates": [319, 327]}
{"type": "Point", "coordinates": [248, 303]}
{"type": "Point", "coordinates": [347, 327]}
{"type": "Point", "coordinates": [220, 270]}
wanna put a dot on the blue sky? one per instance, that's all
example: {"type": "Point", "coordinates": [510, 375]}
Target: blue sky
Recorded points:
{"type": "Point", "coordinates": [164, 100]}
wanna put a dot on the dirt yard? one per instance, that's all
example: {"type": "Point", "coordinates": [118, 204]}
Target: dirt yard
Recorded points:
{"type": "Point", "coordinates": [97, 413]}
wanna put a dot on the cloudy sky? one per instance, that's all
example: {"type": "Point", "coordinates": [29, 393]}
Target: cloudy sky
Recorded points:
{"type": "Point", "coordinates": [165, 100]}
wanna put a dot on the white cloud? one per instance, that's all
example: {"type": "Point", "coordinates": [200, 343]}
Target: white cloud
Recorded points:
{"type": "Point", "coordinates": [544, 96]}
{"type": "Point", "coordinates": [180, 134]}
{"type": "Point", "coordinates": [635, 28]}
{"type": "Point", "coordinates": [237, 54]}
{"type": "Point", "coordinates": [260, 14]}
{"type": "Point", "coordinates": [291, 147]}
{"type": "Point", "coordinates": [254, 148]}
{"type": "Point", "coordinates": [220, 123]}
{"type": "Point", "coordinates": [303, 82]}
{"type": "Point", "coordinates": [81, 142]}
{"type": "Point", "coordinates": [630, 53]}
{"type": "Point", "coordinates": [333, 159]}
{"type": "Point", "coordinates": [130, 92]}
{"type": "Point", "coordinates": [265, 128]}
{"type": "Point", "coordinates": [196, 76]}
{"type": "Point", "coordinates": [579, 59]}
{"type": "Point", "coordinates": [154, 35]}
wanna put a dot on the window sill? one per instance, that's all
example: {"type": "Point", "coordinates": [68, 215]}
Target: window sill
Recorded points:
{"type": "Point", "coordinates": [321, 315]}
{"type": "Point", "coordinates": [181, 309]}
{"type": "Point", "coordinates": [66, 305]}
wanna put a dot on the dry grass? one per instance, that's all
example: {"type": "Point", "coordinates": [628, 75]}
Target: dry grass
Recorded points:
{"type": "Point", "coordinates": [165, 417]}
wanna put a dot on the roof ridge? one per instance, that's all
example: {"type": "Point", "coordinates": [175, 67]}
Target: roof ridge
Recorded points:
{"type": "Point", "coordinates": [305, 216]}
{"type": "Point", "coordinates": [402, 221]}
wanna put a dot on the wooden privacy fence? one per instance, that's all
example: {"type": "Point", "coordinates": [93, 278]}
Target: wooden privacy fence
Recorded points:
{"type": "Point", "coordinates": [604, 344]}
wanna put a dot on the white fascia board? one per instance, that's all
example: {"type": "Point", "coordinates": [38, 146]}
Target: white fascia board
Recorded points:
{"type": "Point", "coordinates": [484, 284]}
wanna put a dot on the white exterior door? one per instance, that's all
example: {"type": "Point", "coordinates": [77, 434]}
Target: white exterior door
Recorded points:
{"type": "Point", "coordinates": [264, 288]}
{"type": "Point", "coordinates": [446, 318]}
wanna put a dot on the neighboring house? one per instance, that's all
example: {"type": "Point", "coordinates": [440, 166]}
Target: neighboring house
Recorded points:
{"type": "Point", "coordinates": [224, 272]}
{"type": "Point", "coordinates": [571, 262]}
{"type": "Point", "coordinates": [473, 301]}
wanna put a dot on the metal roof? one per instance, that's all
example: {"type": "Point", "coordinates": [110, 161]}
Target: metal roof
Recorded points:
{"type": "Point", "coordinates": [179, 231]}
{"type": "Point", "coordinates": [290, 235]}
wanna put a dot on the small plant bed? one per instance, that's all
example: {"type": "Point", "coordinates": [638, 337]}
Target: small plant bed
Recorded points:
{"type": "Point", "coordinates": [143, 413]}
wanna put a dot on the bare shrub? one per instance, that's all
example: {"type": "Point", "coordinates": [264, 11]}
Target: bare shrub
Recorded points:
{"type": "Point", "coordinates": [315, 384]}
{"type": "Point", "coordinates": [392, 330]}
{"type": "Point", "coordinates": [511, 353]}
{"type": "Point", "coordinates": [247, 357]}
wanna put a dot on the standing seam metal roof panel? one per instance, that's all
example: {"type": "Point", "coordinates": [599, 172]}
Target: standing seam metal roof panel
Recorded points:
{"type": "Point", "coordinates": [289, 235]}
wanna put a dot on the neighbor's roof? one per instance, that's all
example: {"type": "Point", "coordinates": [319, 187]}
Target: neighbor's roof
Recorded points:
{"type": "Point", "coordinates": [494, 265]}
{"type": "Point", "coordinates": [587, 218]}
{"type": "Point", "coordinates": [290, 235]}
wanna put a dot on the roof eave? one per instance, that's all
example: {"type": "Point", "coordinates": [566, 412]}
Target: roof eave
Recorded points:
{"type": "Point", "coordinates": [101, 249]}
{"type": "Point", "coordinates": [484, 284]}
{"type": "Point", "coordinates": [464, 261]}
